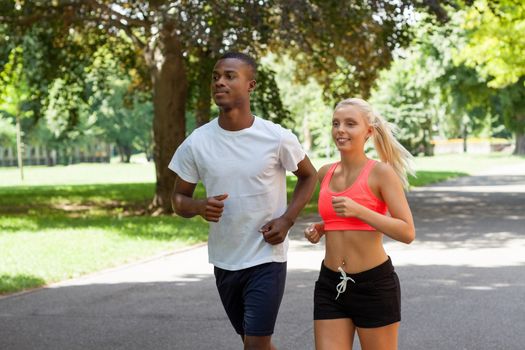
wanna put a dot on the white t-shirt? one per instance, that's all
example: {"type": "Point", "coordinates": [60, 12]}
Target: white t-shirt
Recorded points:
{"type": "Point", "coordinates": [250, 166]}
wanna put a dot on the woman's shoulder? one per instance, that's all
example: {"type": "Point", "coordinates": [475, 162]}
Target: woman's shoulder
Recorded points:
{"type": "Point", "coordinates": [382, 173]}
{"type": "Point", "coordinates": [323, 170]}
{"type": "Point", "coordinates": [381, 168]}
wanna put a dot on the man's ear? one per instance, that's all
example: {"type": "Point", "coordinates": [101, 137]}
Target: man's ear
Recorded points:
{"type": "Point", "coordinates": [253, 83]}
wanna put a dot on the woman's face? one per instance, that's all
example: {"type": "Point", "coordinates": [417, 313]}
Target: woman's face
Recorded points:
{"type": "Point", "coordinates": [350, 129]}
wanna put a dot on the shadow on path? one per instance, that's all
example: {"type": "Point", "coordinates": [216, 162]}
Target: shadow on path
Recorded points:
{"type": "Point", "coordinates": [443, 308]}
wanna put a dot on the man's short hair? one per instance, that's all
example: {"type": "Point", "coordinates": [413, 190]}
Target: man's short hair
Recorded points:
{"type": "Point", "coordinates": [247, 59]}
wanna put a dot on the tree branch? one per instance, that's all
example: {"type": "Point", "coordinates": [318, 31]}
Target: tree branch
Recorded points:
{"type": "Point", "coordinates": [106, 9]}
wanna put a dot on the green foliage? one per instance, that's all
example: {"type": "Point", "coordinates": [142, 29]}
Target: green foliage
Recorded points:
{"type": "Point", "coordinates": [344, 45]}
{"type": "Point", "coordinates": [407, 95]}
{"type": "Point", "coordinates": [6, 44]}
{"type": "Point", "coordinates": [427, 93]}
{"type": "Point", "coordinates": [266, 100]}
{"type": "Point", "coordinates": [510, 104]}
{"type": "Point", "coordinates": [15, 98]}
{"type": "Point", "coordinates": [7, 133]}
{"type": "Point", "coordinates": [311, 117]}
{"type": "Point", "coordinates": [74, 103]}
{"type": "Point", "coordinates": [495, 46]}
{"type": "Point", "coordinates": [464, 92]}
{"type": "Point", "coordinates": [495, 40]}
{"type": "Point", "coordinates": [15, 92]}
{"type": "Point", "coordinates": [119, 112]}
{"type": "Point", "coordinates": [66, 110]}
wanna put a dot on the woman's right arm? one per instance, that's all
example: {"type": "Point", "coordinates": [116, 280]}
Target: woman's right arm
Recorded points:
{"type": "Point", "coordinates": [315, 230]}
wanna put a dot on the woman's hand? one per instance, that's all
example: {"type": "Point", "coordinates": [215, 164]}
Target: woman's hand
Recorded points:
{"type": "Point", "coordinates": [345, 207]}
{"type": "Point", "coordinates": [314, 232]}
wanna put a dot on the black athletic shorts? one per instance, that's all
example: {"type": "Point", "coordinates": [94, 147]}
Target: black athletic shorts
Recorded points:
{"type": "Point", "coordinates": [252, 296]}
{"type": "Point", "coordinates": [372, 298]}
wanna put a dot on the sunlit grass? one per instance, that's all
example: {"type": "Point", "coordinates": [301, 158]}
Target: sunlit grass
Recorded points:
{"type": "Point", "coordinates": [94, 173]}
{"type": "Point", "coordinates": [57, 247]}
{"type": "Point", "coordinates": [470, 164]}
{"type": "Point", "coordinates": [52, 233]}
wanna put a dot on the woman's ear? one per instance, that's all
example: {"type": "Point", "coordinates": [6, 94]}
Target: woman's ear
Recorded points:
{"type": "Point", "coordinates": [370, 132]}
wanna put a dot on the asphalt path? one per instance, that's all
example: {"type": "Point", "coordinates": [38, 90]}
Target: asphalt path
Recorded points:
{"type": "Point", "coordinates": [463, 285]}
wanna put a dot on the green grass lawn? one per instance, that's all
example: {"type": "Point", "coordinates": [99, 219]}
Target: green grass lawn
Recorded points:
{"type": "Point", "coordinates": [96, 173]}
{"type": "Point", "coordinates": [469, 164]}
{"type": "Point", "coordinates": [53, 233]}
{"type": "Point", "coordinates": [63, 222]}
{"type": "Point", "coordinates": [41, 249]}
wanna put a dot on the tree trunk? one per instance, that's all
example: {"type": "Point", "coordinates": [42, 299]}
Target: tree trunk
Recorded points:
{"type": "Point", "coordinates": [120, 153]}
{"type": "Point", "coordinates": [429, 149]}
{"type": "Point", "coordinates": [307, 135]}
{"type": "Point", "coordinates": [19, 148]}
{"type": "Point", "coordinates": [169, 100]}
{"type": "Point", "coordinates": [124, 153]}
{"type": "Point", "coordinates": [520, 144]}
{"type": "Point", "coordinates": [203, 108]}
{"type": "Point", "coordinates": [465, 136]}
{"type": "Point", "coordinates": [520, 134]}
{"type": "Point", "coordinates": [50, 161]}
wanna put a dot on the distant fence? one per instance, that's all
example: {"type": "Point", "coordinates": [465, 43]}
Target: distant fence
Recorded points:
{"type": "Point", "coordinates": [40, 155]}
{"type": "Point", "coordinates": [474, 146]}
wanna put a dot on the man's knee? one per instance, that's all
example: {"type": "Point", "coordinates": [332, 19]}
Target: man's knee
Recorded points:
{"type": "Point", "coordinates": [258, 343]}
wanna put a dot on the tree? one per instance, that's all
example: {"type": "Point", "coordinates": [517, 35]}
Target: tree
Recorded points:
{"type": "Point", "coordinates": [510, 105]}
{"type": "Point", "coordinates": [120, 113]}
{"type": "Point", "coordinates": [166, 37]}
{"type": "Point", "coordinates": [175, 43]}
{"type": "Point", "coordinates": [427, 92]}
{"type": "Point", "coordinates": [495, 49]}
{"type": "Point", "coordinates": [465, 95]}
{"type": "Point", "coordinates": [15, 97]}
{"type": "Point", "coordinates": [408, 96]}
{"type": "Point", "coordinates": [495, 42]}
{"type": "Point", "coordinates": [345, 54]}
{"type": "Point", "coordinates": [310, 115]}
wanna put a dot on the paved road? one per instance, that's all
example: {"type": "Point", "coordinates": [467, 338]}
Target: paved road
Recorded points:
{"type": "Point", "coordinates": [463, 286]}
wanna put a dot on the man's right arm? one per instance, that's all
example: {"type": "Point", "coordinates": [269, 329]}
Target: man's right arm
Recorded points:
{"type": "Point", "coordinates": [182, 199]}
{"type": "Point", "coordinates": [186, 206]}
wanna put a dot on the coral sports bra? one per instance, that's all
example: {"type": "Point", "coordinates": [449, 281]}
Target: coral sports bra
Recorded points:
{"type": "Point", "coordinates": [359, 191]}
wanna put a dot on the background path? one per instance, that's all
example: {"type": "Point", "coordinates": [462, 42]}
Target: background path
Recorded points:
{"type": "Point", "coordinates": [463, 286]}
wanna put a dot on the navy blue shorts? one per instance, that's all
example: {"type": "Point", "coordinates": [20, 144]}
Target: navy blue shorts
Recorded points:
{"type": "Point", "coordinates": [252, 296]}
{"type": "Point", "coordinates": [372, 298]}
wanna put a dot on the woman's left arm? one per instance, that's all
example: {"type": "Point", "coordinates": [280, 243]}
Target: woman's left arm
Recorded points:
{"type": "Point", "coordinates": [400, 224]}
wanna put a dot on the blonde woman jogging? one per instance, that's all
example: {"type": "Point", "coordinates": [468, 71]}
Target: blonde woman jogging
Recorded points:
{"type": "Point", "coordinates": [360, 200]}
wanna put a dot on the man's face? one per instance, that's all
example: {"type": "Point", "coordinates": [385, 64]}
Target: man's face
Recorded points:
{"type": "Point", "coordinates": [232, 82]}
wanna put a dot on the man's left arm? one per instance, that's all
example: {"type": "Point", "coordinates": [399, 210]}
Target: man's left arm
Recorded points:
{"type": "Point", "coordinates": [275, 231]}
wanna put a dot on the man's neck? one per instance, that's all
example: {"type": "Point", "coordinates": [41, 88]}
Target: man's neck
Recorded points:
{"type": "Point", "coordinates": [235, 119]}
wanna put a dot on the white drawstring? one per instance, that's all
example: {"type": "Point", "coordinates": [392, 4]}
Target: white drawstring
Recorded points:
{"type": "Point", "coordinates": [341, 287]}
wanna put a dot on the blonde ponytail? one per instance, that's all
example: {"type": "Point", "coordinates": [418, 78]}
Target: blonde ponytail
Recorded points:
{"type": "Point", "coordinates": [387, 146]}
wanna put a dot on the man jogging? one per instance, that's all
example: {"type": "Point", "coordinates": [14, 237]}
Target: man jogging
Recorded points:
{"type": "Point", "coordinates": [242, 161]}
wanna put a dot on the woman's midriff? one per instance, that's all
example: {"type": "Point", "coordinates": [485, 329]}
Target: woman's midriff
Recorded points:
{"type": "Point", "coordinates": [354, 251]}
